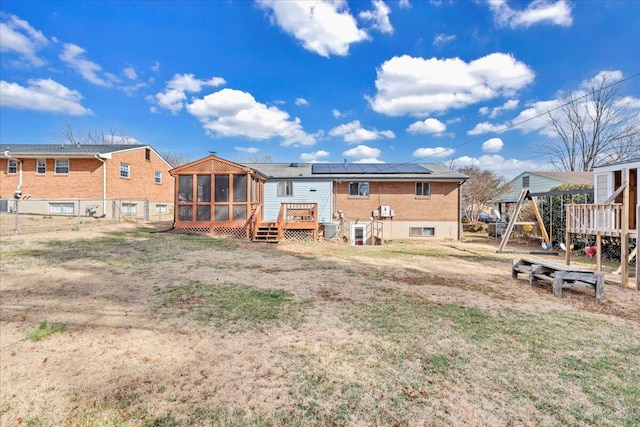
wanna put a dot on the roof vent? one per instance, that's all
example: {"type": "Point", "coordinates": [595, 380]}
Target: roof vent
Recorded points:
{"type": "Point", "coordinates": [213, 153]}
{"type": "Point", "coordinates": [293, 165]}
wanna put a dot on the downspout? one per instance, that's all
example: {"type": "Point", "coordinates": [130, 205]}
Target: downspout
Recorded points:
{"type": "Point", "coordinates": [460, 210]}
{"type": "Point", "coordinates": [104, 183]}
{"type": "Point", "coordinates": [18, 191]}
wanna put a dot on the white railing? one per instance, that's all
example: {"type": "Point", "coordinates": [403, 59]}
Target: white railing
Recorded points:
{"type": "Point", "coordinates": [604, 220]}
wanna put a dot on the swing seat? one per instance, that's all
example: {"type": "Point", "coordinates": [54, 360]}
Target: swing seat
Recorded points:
{"type": "Point", "coordinates": [546, 245]}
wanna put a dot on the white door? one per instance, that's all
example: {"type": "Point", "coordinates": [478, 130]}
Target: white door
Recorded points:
{"type": "Point", "coordinates": [358, 233]}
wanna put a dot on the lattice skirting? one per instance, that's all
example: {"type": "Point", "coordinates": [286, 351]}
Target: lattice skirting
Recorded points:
{"type": "Point", "coordinates": [298, 234]}
{"type": "Point", "coordinates": [233, 232]}
{"type": "Point", "coordinates": [202, 230]}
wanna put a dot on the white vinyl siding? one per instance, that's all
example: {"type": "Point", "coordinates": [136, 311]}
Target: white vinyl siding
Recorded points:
{"type": "Point", "coordinates": [305, 191]}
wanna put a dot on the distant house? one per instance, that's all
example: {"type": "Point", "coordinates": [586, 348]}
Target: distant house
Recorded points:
{"type": "Point", "coordinates": [69, 172]}
{"type": "Point", "coordinates": [363, 203]}
{"type": "Point", "coordinates": [538, 182]}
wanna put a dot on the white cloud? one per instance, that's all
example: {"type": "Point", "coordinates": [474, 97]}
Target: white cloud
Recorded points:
{"type": "Point", "coordinates": [369, 160]}
{"type": "Point", "coordinates": [336, 113]}
{"type": "Point", "coordinates": [73, 55]}
{"type": "Point", "coordinates": [324, 27]}
{"type": "Point", "coordinates": [538, 11]}
{"type": "Point", "coordinates": [155, 67]}
{"type": "Point", "coordinates": [418, 86]}
{"type": "Point", "coordinates": [231, 112]}
{"type": "Point", "coordinates": [42, 95]}
{"type": "Point", "coordinates": [174, 96]}
{"type": "Point", "coordinates": [607, 76]}
{"type": "Point", "coordinates": [353, 132]}
{"type": "Point", "coordinates": [130, 72]}
{"type": "Point", "coordinates": [301, 101]}
{"type": "Point", "coordinates": [509, 168]}
{"type": "Point", "coordinates": [442, 39]}
{"type": "Point", "coordinates": [404, 4]}
{"type": "Point", "coordinates": [16, 35]}
{"type": "Point", "coordinates": [486, 127]}
{"type": "Point", "coordinates": [511, 104]}
{"type": "Point", "coordinates": [380, 17]}
{"type": "Point", "coordinates": [250, 150]}
{"type": "Point", "coordinates": [363, 151]}
{"type": "Point", "coordinates": [315, 155]}
{"type": "Point", "coordinates": [434, 152]}
{"type": "Point", "coordinates": [492, 145]}
{"type": "Point", "coordinates": [428, 126]}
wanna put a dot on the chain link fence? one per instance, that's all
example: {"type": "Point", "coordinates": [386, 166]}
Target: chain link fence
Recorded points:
{"type": "Point", "coordinates": [25, 216]}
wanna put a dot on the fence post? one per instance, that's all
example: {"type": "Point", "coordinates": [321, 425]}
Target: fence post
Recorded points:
{"type": "Point", "coordinates": [15, 228]}
{"type": "Point", "coordinates": [78, 224]}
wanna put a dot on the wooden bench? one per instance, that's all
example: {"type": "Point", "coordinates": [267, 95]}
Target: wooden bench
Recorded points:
{"type": "Point", "coordinates": [560, 275]}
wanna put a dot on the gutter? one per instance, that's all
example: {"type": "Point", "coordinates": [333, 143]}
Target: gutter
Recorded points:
{"type": "Point", "coordinates": [104, 182]}
{"type": "Point", "coordinates": [18, 191]}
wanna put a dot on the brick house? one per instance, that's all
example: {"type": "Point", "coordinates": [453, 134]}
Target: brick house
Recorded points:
{"type": "Point", "coordinates": [366, 202]}
{"type": "Point", "coordinates": [73, 172]}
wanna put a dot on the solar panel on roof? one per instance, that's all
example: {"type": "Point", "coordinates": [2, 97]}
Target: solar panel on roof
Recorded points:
{"type": "Point", "coordinates": [367, 168]}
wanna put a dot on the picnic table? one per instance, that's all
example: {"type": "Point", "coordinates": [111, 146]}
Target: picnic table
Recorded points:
{"type": "Point", "coordinates": [560, 275]}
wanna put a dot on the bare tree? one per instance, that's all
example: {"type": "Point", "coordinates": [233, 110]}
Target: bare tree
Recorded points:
{"type": "Point", "coordinates": [175, 159]}
{"type": "Point", "coordinates": [479, 189]}
{"type": "Point", "coordinates": [595, 128]}
{"type": "Point", "coordinates": [68, 135]}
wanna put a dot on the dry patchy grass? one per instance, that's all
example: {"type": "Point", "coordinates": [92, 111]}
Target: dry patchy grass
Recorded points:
{"type": "Point", "coordinates": [174, 330]}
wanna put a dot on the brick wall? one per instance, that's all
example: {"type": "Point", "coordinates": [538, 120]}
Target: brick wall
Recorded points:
{"type": "Point", "coordinates": [85, 178]}
{"type": "Point", "coordinates": [441, 205]}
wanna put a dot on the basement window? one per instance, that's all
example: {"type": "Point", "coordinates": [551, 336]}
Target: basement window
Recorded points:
{"type": "Point", "coordinates": [422, 231]}
{"type": "Point", "coordinates": [61, 208]}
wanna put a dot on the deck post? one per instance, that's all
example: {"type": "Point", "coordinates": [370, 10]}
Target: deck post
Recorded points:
{"type": "Point", "coordinates": [567, 237]}
{"type": "Point", "coordinates": [624, 232]}
{"type": "Point", "coordinates": [598, 252]}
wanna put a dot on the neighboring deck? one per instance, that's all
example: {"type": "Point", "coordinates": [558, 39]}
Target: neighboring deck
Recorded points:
{"type": "Point", "coordinates": [597, 220]}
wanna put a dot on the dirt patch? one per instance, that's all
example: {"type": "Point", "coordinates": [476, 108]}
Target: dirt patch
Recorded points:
{"type": "Point", "coordinates": [123, 353]}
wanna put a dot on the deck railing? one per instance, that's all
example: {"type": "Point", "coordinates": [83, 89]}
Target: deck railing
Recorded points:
{"type": "Point", "coordinates": [604, 220]}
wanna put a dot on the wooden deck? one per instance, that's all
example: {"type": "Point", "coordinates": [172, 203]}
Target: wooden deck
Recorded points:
{"type": "Point", "coordinates": [561, 276]}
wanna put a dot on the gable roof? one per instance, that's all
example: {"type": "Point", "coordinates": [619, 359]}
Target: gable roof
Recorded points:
{"type": "Point", "coordinates": [365, 171]}
{"type": "Point", "coordinates": [70, 150]}
{"type": "Point", "coordinates": [80, 150]}
{"type": "Point", "coordinates": [585, 178]}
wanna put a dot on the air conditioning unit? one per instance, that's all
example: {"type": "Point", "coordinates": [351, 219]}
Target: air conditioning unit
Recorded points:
{"type": "Point", "coordinates": [385, 211]}
{"type": "Point", "coordinates": [393, 213]}
{"type": "Point", "coordinates": [375, 214]}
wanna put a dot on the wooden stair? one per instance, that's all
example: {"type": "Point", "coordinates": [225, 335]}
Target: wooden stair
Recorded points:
{"type": "Point", "coordinates": [267, 232]}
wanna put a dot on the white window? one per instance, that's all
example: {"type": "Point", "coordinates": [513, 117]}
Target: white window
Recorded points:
{"type": "Point", "coordinates": [358, 188]}
{"type": "Point", "coordinates": [61, 208]}
{"type": "Point", "coordinates": [41, 166]}
{"type": "Point", "coordinates": [422, 231]}
{"type": "Point", "coordinates": [161, 209]}
{"type": "Point", "coordinates": [158, 177]}
{"type": "Point", "coordinates": [285, 188]}
{"type": "Point", "coordinates": [423, 189]}
{"type": "Point", "coordinates": [125, 170]}
{"type": "Point", "coordinates": [129, 208]}
{"type": "Point", "coordinates": [62, 167]}
{"type": "Point", "coordinates": [12, 166]}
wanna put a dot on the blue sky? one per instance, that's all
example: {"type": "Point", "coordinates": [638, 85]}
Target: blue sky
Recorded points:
{"type": "Point", "coordinates": [366, 81]}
